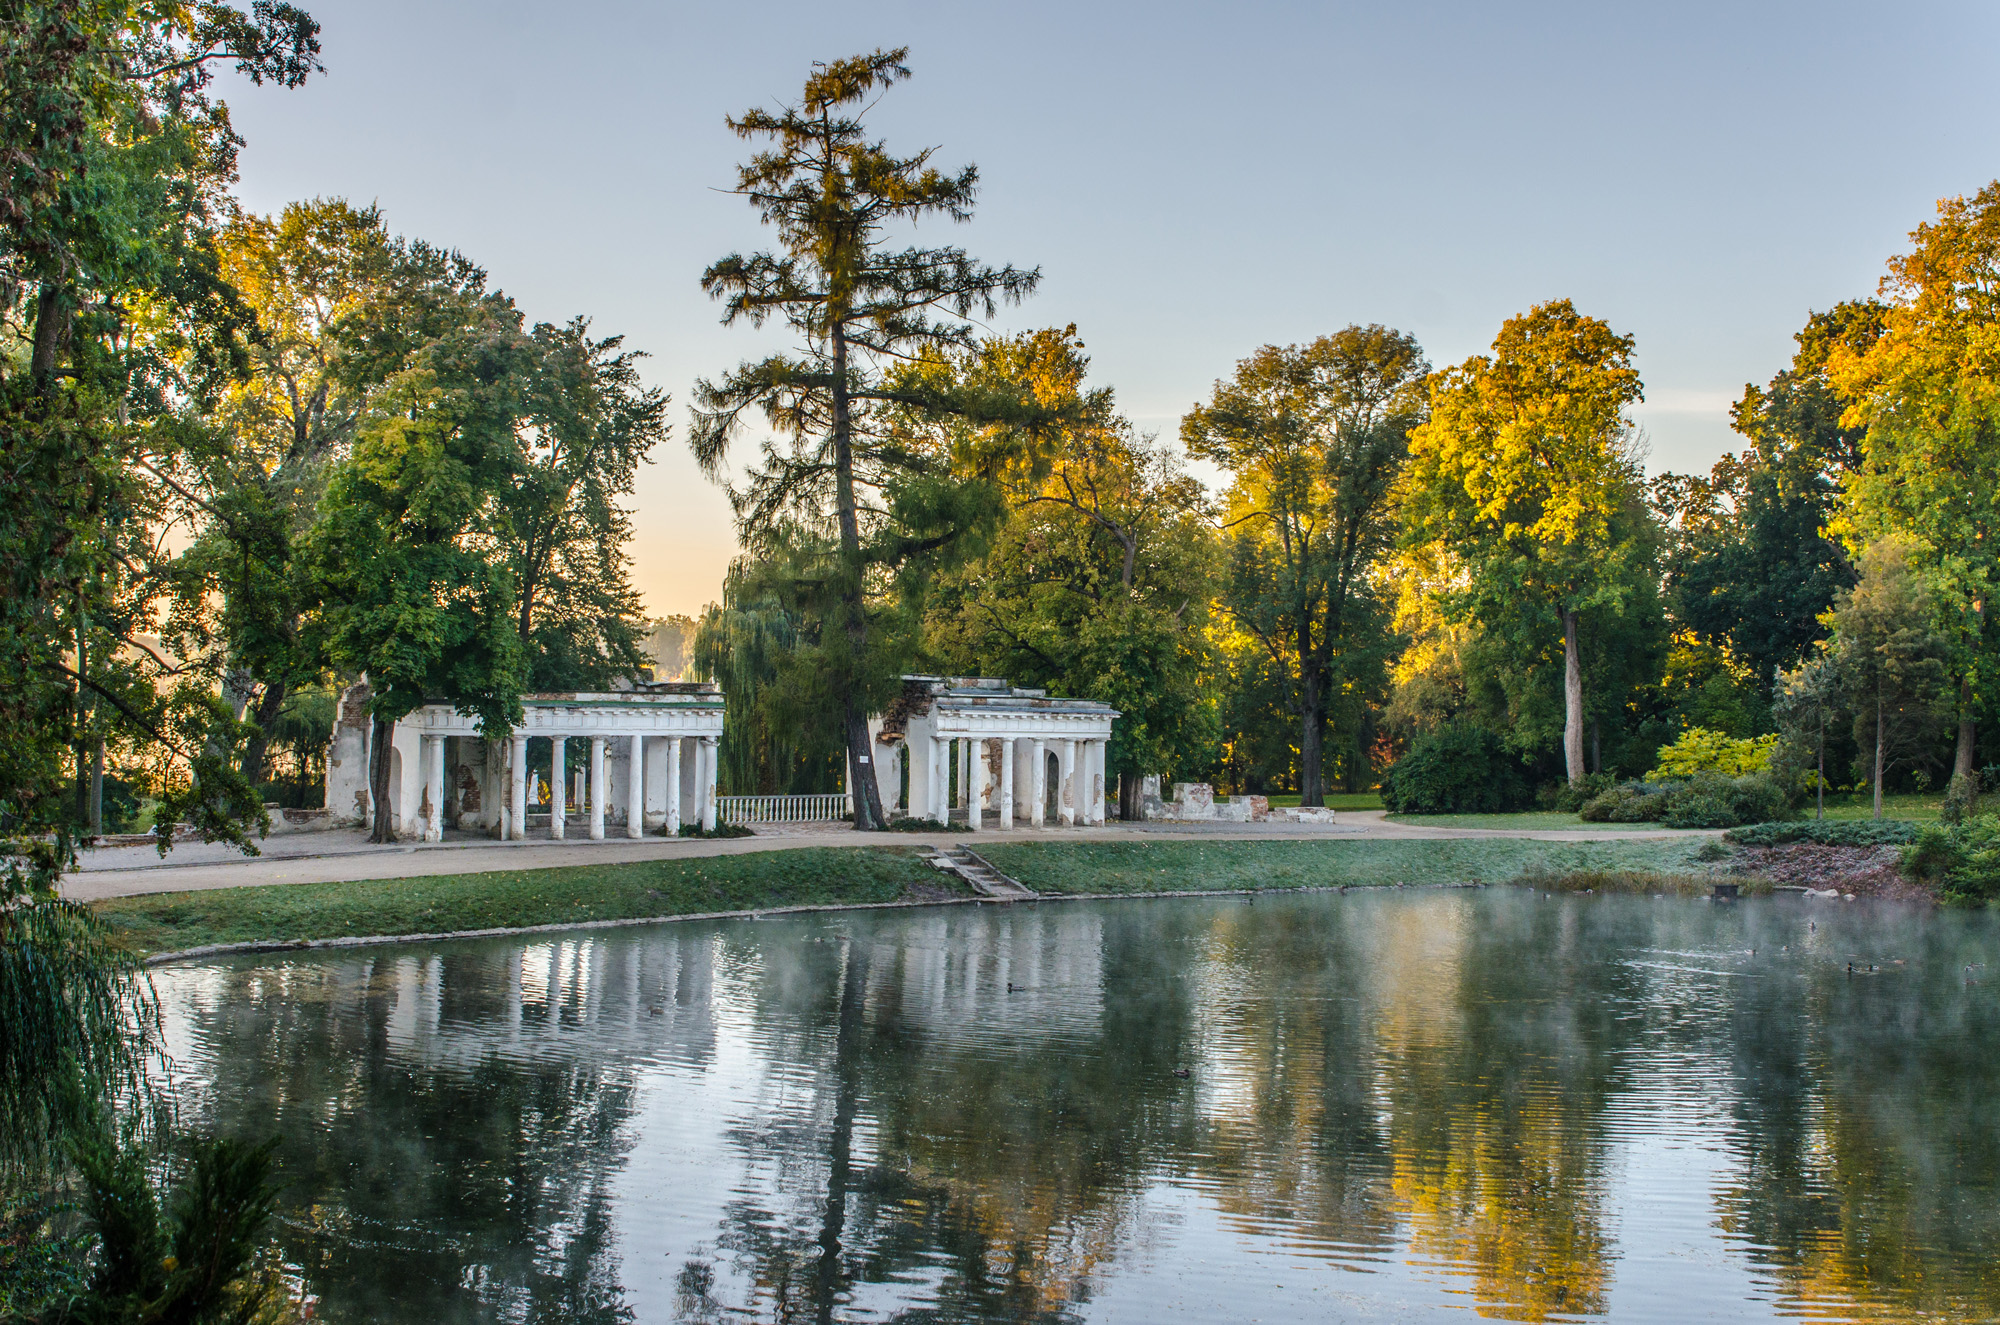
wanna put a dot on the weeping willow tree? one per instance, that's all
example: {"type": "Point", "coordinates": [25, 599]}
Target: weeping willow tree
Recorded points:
{"type": "Point", "coordinates": [79, 1025]}
{"type": "Point", "coordinates": [780, 736]}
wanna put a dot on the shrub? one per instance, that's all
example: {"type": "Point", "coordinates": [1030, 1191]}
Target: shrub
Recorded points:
{"type": "Point", "coordinates": [1701, 750]}
{"type": "Point", "coordinates": [1827, 832]}
{"type": "Point", "coordinates": [1709, 800]}
{"type": "Point", "coordinates": [1961, 860]}
{"type": "Point", "coordinates": [1571, 797]}
{"type": "Point", "coordinates": [1627, 803]}
{"type": "Point", "coordinates": [1457, 769]}
{"type": "Point", "coordinates": [1700, 809]}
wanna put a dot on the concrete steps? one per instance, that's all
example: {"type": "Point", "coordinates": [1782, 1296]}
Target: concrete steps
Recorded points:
{"type": "Point", "coordinates": [980, 875]}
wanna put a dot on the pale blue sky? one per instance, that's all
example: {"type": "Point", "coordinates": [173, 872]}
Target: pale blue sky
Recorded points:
{"type": "Point", "coordinates": [1193, 180]}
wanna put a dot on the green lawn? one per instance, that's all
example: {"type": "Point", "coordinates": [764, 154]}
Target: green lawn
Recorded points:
{"type": "Point", "coordinates": [1339, 800]}
{"type": "Point", "coordinates": [1914, 805]}
{"type": "Point", "coordinates": [1122, 867]}
{"type": "Point", "coordinates": [1536, 820]}
{"type": "Point", "coordinates": [509, 899]}
{"type": "Point", "coordinates": [173, 922]}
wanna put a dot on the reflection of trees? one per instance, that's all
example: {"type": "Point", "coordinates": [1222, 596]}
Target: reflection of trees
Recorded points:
{"type": "Point", "coordinates": [1865, 1119]}
{"type": "Point", "coordinates": [1002, 1165]}
{"type": "Point", "coordinates": [1496, 1071]}
{"type": "Point", "coordinates": [1435, 1072]}
{"type": "Point", "coordinates": [449, 1128]}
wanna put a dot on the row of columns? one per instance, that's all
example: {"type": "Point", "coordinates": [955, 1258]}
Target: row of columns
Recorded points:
{"type": "Point", "coordinates": [1076, 801]}
{"type": "Point", "coordinates": [432, 754]}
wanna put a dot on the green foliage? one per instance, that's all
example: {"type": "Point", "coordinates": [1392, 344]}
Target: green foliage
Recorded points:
{"type": "Point", "coordinates": [1097, 581]}
{"type": "Point", "coordinates": [1313, 437]}
{"type": "Point", "coordinates": [1961, 861]}
{"type": "Point", "coordinates": [1705, 800]}
{"type": "Point", "coordinates": [1826, 832]}
{"type": "Point", "coordinates": [1458, 769]}
{"type": "Point", "coordinates": [834, 479]}
{"type": "Point", "coordinates": [1751, 566]}
{"type": "Point", "coordinates": [1627, 803]}
{"type": "Point", "coordinates": [199, 1259]}
{"type": "Point", "coordinates": [1699, 750]}
{"type": "Point", "coordinates": [1891, 662]}
{"type": "Point", "coordinates": [78, 1020]}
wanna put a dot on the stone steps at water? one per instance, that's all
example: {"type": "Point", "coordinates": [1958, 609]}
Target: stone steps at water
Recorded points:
{"type": "Point", "coordinates": [980, 875]}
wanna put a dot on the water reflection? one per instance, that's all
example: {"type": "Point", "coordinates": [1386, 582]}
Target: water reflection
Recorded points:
{"type": "Point", "coordinates": [1372, 1104]}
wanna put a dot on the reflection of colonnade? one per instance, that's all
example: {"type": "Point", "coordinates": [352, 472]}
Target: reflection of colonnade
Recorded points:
{"type": "Point", "coordinates": [651, 765]}
{"type": "Point", "coordinates": [996, 754]}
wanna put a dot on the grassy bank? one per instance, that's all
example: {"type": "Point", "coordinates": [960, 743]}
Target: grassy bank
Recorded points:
{"type": "Point", "coordinates": [512, 899]}
{"type": "Point", "coordinates": [1126, 867]}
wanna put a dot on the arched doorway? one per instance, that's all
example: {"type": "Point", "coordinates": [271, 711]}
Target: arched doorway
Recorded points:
{"type": "Point", "coordinates": [1052, 788]}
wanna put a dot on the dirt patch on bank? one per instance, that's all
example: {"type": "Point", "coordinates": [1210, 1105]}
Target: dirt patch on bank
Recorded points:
{"type": "Point", "coordinates": [1863, 871]}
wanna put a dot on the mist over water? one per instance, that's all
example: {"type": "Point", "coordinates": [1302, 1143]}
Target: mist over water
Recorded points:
{"type": "Point", "coordinates": [1396, 1104]}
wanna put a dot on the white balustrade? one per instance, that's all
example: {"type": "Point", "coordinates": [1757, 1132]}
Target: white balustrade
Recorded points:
{"type": "Point", "coordinates": [744, 810]}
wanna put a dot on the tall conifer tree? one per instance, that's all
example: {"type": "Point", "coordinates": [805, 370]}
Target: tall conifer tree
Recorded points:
{"type": "Point", "coordinates": [832, 193]}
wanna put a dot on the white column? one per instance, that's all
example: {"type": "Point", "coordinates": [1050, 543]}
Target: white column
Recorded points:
{"type": "Point", "coordinates": [673, 786]}
{"type": "Point", "coordinates": [1006, 815]}
{"type": "Point", "coordinates": [940, 766]}
{"type": "Point", "coordinates": [1066, 793]}
{"type": "Point", "coordinates": [708, 763]}
{"type": "Point", "coordinates": [558, 787]}
{"type": "Point", "coordinates": [517, 787]}
{"type": "Point", "coordinates": [433, 753]}
{"type": "Point", "coordinates": [597, 788]}
{"type": "Point", "coordinates": [635, 790]}
{"type": "Point", "coordinates": [1095, 783]}
{"type": "Point", "coordinates": [976, 788]}
{"type": "Point", "coordinates": [1038, 781]}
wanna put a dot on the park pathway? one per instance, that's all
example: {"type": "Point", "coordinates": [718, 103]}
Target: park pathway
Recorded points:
{"type": "Point", "coordinates": [339, 855]}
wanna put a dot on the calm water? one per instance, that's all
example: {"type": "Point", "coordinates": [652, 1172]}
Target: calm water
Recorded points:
{"type": "Point", "coordinates": [1397, 1105]}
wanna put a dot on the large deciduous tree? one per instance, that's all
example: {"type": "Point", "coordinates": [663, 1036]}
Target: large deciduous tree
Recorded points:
{"type": "Point", "coordinates": [832, 194]}
{"type": "Point", "coordinates": [1753, 566]}
{"type": "Point", "coordinates": [1524, 482]}
{"type": "Point", "coordinates": [115, 158]}
{"type": "Point", "coordinates": [407, 549]}
{"type": "Point", "coordinates": [1098, 581]}
{"type": "Point", "coordinates": [589, 424]}
{"type": "Point", "coordinates": [1927, 390]}
{"type": "Point", "coordinates": [1313, 437]}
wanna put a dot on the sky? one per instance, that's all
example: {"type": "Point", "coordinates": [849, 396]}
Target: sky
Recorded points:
{"type": "Point", "coordinates": [1193, 181]}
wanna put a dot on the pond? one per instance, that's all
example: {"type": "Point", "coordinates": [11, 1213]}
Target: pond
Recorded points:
{"type": "Point", "coordinates": [1380, 1105]}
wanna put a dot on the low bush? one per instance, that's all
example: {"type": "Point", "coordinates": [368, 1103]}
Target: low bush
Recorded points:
{"type": "Point", "coordinates": [1457, 769]}
{"type": "Point", "coordinates": [1707, 800]}
{"type": "Point", "coordinates": [1961, 861]}
{"type": "Point", "coordinates": [1827, 832]}
{"type": "Point", "coordinates": [1627, 803]}
{"type": "Point", "coordinates": [1571, 797]}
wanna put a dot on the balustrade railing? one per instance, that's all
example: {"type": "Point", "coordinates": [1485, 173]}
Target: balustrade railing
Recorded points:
{"type": "Point", "coordinates": [746, 810]}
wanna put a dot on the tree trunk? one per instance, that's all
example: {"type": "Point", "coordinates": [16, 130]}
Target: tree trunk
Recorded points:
{"type": "Point", "coordinates": [1312, 738]}
{"type": "Point", "coordinates": [1963, 775]}
{"type": "Point", "coordinates": [269, 705]}
{"type": "Point", "coordinates": [1596, 746]}
{"type": "Point", "coordinates": [1880, 724]}
{"type": "Point", "coordinates": [1130, 786]}
{"type": "Point", "coordinates": [1572, 702]}
{"type": "Point", "coordinates": [97, 790]}
{"type": "Point", "coordinates": [381, 732]}
{"type": "Point", "coordinates": [1821, 788]}
{"type": "Point", "coordinates": [49, 322]}
{"type": "Point", "coordinates": [866, 793]}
